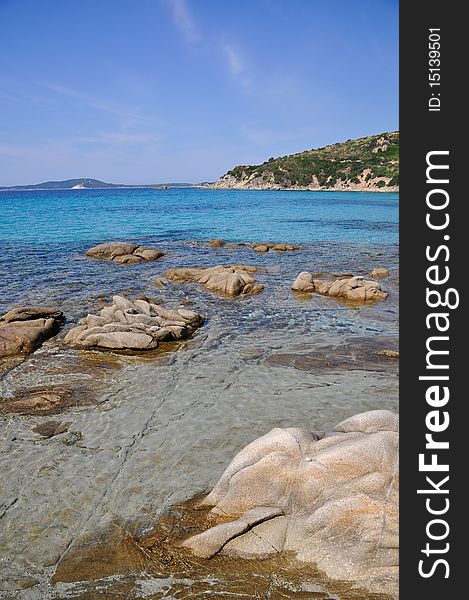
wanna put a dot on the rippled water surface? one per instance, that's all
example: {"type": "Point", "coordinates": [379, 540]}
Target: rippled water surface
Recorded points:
{"type": "Point", "coordinates": [41, 217]}
{"type": "Point", "coordinates": [144, 435]}
{"type": "Point", "coordinates": [43, 234]}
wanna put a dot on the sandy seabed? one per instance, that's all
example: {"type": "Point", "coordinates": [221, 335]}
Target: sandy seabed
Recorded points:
{"type": "Point", "coordinates": [144, 435]}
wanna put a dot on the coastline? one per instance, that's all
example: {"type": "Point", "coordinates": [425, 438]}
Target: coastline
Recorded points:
{"type": "Point", "coordinates": [214, 186]}
{"type": "Point", "coordinates": [274, 188]}
{"type": "Point", "coordinates": [114, 187]}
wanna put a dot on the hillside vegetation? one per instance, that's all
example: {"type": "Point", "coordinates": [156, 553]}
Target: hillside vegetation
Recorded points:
{"type": "Point", "coordinates": [368, 163]}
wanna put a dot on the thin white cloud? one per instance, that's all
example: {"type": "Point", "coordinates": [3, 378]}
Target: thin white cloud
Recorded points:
{"type": "Point", "coordinates": [97, 103]}
{"type": "Point", "coordinates": [234, 59]}
{"type": "Point", "coordinates": [236, 65]}
{"type": "Point", "coordinates": [183, 20]}
{"type": "Point", "coordinates": [18, 93]}
{"type": "Point", "coordinates": [117, 138]}
{"type": "Point", "coordinates": [69, 147]}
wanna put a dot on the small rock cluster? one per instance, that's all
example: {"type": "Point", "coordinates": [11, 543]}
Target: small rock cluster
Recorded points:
{"type": "Point", "coordinates": [356, 289]}
{"type": "Point", "coordinates": [266, 246]}
{"type": "Point", "coordinates": [257, 246]}
{"type": "Point", "coordinates": [124, 252]}
{"type": "Point", "coordinates": [138, 325]}
{"type": "Point", "coordinates": [231, 280]}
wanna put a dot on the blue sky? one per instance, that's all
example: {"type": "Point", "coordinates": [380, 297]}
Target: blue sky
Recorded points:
{"type": "Point", "coordinates": [143, 91]}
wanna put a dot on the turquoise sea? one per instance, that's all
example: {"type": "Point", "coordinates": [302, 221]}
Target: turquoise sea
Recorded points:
{"type": "Point", "coordinates": [74, 216]}
{"type": "Point", "coordinates": [43, 235]}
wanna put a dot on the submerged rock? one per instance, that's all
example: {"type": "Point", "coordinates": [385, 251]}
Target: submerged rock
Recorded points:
{"type": "Point", "coordinates": [216, 243]}
{"type": "Point", "coordinates": [24, 328]}
{"type": "Point", "coordinates": [137, 325]}
{"type": "Point", "coordinates": [379, 272]}
{"type": "Point", "coordinates": [36, 401]}
{"type": "Point", "coordinates": [331, 500]}
{"type": "Point", "coordinates": [389, 353]}
{"type": "Point", "coordinates": [124, 252]}
{"type": "Point", "coordinates": [51, 428]}
{"type": "Point", "coordinates": [364, 353]}
{"type": "Point", "coordinates": [231, 280]}
{"type": "Point", "coordinates": [356, 289]}
{"type": "Point", "coordinates": [256, 246]}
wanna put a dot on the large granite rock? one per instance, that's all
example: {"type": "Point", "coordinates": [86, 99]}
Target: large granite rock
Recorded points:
{"type": "Point", "coordinates": [137, 325]}
{"type": "Point", "coordinates": [124, 252]}
{"type": "Point", "coordinates": [231, 280]}
{"type": "Point", "coordinates": [24, 328]}
{"type": "Point", "coordinates": [355, 289]}
{"type": "Point", "coordinates": [332, 500]}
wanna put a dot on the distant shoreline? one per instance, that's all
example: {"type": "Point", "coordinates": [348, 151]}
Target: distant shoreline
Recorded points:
{"type": "Point", "coordinates": [114, 187]}
{"type": "Point", "coordinates": [381, 190]}
{"type": "Point", "coordinates": [206, 187]}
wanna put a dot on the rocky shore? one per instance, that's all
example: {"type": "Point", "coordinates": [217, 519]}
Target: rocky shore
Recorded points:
{"type": "Point", "coordinates": [122, 412]}
{"type": "Point", "coordinates": [228, 182]}
{"type": "Point", "coordinates": [369, 164]}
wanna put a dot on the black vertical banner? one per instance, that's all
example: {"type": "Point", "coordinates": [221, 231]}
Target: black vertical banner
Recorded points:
{"type": "Point", "coordinates": [434, 252]}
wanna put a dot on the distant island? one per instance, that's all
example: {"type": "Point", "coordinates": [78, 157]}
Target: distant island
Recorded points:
{"type": "Point", "coordinates": [365, 164]}
{"type": "Point", "coordinates": [90, 184]}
